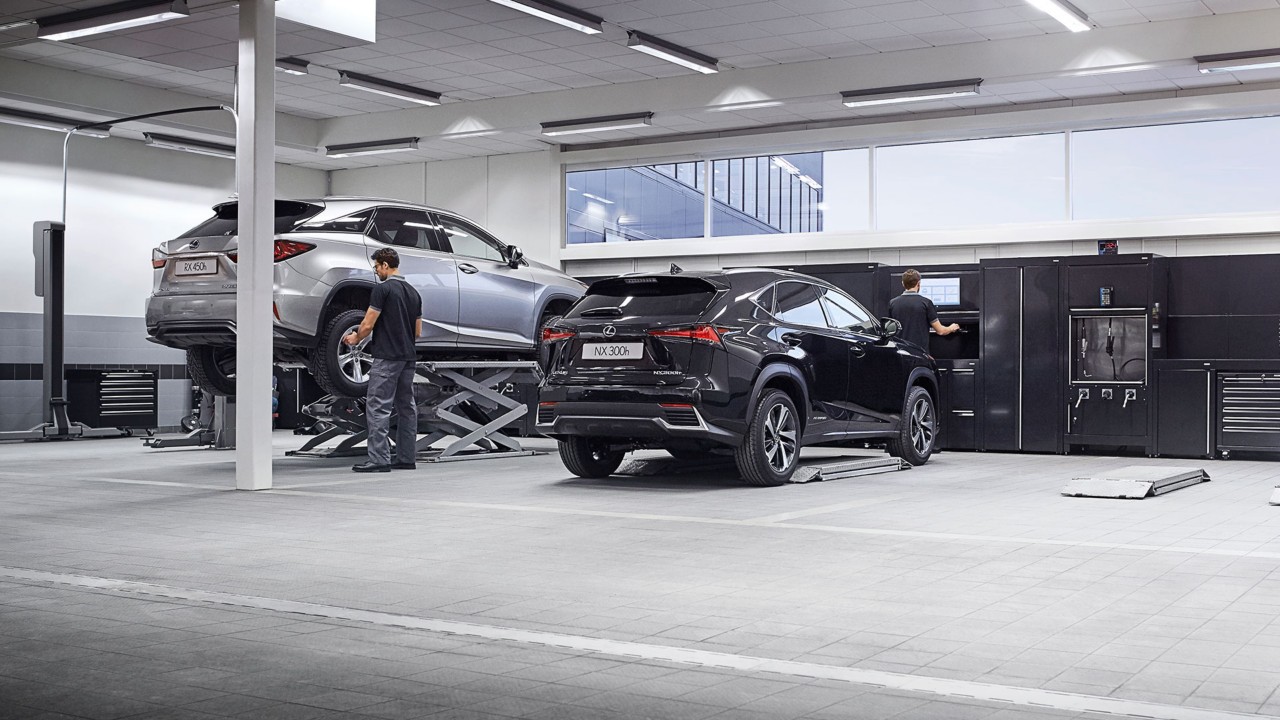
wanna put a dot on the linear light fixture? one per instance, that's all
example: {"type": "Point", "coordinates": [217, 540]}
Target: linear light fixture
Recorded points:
{"type": "Point", "coordinates": [1072, 17]}
{"type": "Point", "coordinates": [558, 13]}
{"type": "Point", "coordinates": [108, 18]}
{"type": "Point", "coordinates": [49, 122]}
{"type": "Point", "coordinates": [376, 147]}
{"type": "Point", "coordinates": [1235, 62]}
{"type": "Point", "coordinates": [293, 66]}
{"type": "Point", "coordinates": [388, 88]}
{"type": "Point", "coordinates": [910, 93]}
{"type": "Point", "coordinates": [745, 106]}
{"type": "Point", "coordinates": [597, 124]}
{"type": "Point", "coordinates": [671, 52]}
{"type": "Point", "coordinates": [199, 147]}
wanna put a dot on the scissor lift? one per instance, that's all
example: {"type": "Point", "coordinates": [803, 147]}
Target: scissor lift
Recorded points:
{"type": "Point", "coordinates": [460, 399]}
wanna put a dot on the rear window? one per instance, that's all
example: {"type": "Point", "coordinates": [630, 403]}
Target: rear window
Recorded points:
{"type": "Point", "coordinates": [656, 296]}
{"type": "Point", "coordinates": [225, 222]}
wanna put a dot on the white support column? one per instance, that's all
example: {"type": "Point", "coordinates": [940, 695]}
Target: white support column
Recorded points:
{"type": "Point", "coordinates": [256, 185]}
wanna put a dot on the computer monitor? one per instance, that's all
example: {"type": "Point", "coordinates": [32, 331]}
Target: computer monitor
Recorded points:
{"type": "Point", "coordinates": [943, 291]}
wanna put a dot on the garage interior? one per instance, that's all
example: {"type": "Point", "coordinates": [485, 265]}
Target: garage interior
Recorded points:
{"type": "Point", "coordinates": [1086, 190]}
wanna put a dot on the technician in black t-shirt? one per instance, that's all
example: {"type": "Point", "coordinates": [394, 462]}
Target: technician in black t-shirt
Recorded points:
{"type": "Point", "coordinates": [916, 313]}
{"type": "Point", "coordinates": [396, 308]}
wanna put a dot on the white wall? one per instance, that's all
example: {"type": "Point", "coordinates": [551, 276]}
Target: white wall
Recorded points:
{"type": "Point", "coordinates": [123, 199]}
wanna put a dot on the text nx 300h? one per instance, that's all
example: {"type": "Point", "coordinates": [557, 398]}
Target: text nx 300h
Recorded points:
{"type": "Point", "coordinates": [754, 363]}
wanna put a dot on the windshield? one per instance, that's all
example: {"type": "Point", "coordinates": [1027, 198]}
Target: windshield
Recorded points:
{"type": "Point", "coordinates": [289, 214]}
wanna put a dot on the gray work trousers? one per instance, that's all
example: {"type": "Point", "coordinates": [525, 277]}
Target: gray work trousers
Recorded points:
{"type": "Point", "coordinates": [391, 384]}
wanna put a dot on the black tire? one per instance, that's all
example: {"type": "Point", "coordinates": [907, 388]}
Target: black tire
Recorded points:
{"type": "Point", "coordinates": [213, 369]}
{"type": "Point", "coordinates": [589, 457]}
{"type": "Point", "coordinates": [918, 429]}
{"type": "Point", "coordinates": [338, 368]}
{"type": "Point", "coordinates": [770, 451]}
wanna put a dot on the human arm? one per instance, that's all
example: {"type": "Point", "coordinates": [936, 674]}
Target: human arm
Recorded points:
{"type": "Point", "coordinates": [366, 327]}
{"type": "Point", "coordinates": [417, 328]}
{"type": "Point", "coordinates": [944, 329]}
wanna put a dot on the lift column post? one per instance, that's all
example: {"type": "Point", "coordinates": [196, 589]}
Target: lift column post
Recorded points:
{"type": "Point", "coordinates": [49, 246]}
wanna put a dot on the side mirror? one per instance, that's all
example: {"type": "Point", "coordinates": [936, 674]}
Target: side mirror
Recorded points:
{"type": "Point", "coordinates": [515, 256]}
{"type": "Point", "coordinates": [890, 328]}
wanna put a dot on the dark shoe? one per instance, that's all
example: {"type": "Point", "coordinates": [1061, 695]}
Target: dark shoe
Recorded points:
{"type": "Point", "coordinates": [370, 467]}
{"type": "Point", "coordinates": [404, 466]}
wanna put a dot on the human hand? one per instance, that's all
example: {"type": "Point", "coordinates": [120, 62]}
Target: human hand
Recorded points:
{"type": "Point", "coordinates": [351, 338]}
{"type": "Point", "coordinates": [953, 327]}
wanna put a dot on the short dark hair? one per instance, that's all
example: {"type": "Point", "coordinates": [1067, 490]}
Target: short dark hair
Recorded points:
{"type": "Point", "coordinates": [387, 256]}
{"type": "Point", "coordinates": [910, 278]}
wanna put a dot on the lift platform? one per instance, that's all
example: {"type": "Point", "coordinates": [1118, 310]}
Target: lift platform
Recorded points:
{"type": "Point", "coordinates": [460, 399]}
{"type": "Point", "coordinates": [1135, 482]}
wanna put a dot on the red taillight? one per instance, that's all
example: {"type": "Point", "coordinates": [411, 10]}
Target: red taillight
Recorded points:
{"type": "Point", "coordinates": [284, 249]}
{"type": "Point", "coordinates": [680, 406]}
{"type": "Point", "coordinates": [158, 263]}
{"type": "Point", "coordinates": [700, 333]}
{"type": "Point", "coordinates": [546, 404]}
{"type": "Point", "coordinates": [553, 334]}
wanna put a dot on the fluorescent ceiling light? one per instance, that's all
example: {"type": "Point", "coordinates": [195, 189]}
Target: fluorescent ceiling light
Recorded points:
{"type": "Point", "coordinates": [911, 93]}
{"type": "Point", "coordinates": [597, 124]}
{"type": "Point", "coordinates": [199, 147]}
{"type": "Point", "coordinates": [1072, 17]}
{"type": "Point", "coordinates": [469, 134]}
{"type": "Point", "coordinates": [745, 106]}
{"type": "Point", "coordinates": [293, 66]}
{"type": "Point", "coordinates": [557, 13]}
{"type": "Point", "coordinates": [390, 89]}
{"type": "Point", "coordinates": [377, 147]}
{"type": "Point", "coordinates": [108, 18]}
{"type": "Point", "coordinates": [1235, 62]}
{"type": "Point", "coordinates": [672, 53]}
{"type": "Point", "coordinates": [50, 122]}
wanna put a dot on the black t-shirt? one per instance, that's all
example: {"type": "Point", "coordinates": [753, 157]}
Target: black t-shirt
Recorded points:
{"type": "Point", "coordinates": [916, 313]}
{"type": "Point", "coordinates": [400, 307]}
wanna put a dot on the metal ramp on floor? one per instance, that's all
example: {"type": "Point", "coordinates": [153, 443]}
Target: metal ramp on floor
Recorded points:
{"type": "Point", "coordinates": [649, 467]}
{"type": "Point", "coordinates": [852, 468]}
{"type": "Point", "coordinates": [1275, 496]}
{"type": "Point", "coordinates": [1135, 482]}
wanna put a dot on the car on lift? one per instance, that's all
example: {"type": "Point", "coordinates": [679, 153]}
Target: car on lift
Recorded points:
{"type": "Point", "coordinates": [755, 363]}
{"type": "Point", "coordinates": [481, 297]}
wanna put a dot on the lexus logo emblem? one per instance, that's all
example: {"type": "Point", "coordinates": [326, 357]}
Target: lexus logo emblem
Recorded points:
{"type": "Point", "coordinates": [610, 331]}
{"type": "Point", "coordinates": [195, 244]}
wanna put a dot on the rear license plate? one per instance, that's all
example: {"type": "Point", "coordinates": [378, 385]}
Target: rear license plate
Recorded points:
{"type": "Point", "coordinates": [202, 266]}
{"type": "Point", "coordinates": [613, 351]}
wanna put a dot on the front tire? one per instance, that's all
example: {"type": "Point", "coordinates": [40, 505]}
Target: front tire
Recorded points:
{"type": "Point", "coordinates": [589, 457]}
{"type": "Point", "coordinates": [918, 430]}
{"type": "Point", "coordinates": [770, 452]}
{"type": "Point", "coordinates": [339, 368]}
{"type": "Point", "coordinates": [213, 369]}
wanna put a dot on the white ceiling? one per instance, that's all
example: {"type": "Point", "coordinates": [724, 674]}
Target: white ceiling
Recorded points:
{"type": "Point", "coordinates": [477, 50]}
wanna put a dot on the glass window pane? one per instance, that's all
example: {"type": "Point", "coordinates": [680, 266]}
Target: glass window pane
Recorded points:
{"type": "Point", "coordinates": [799, 192]}
{"type": "Point", "coordinates": [845, 312]}
{"type": "Point", "coordinates": [634, 203]}
{"type": "Point", "coordinates": [971, 182]}
{"type": "Point", "coordinates": [1230, 166]}
{"type": "Point", "coordinates": [720, 180]}
{"type": "Point", "coordinates": [798, 303]}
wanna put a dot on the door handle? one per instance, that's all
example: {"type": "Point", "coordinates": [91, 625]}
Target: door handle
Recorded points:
{"type": "Point", "coordinates": [858, 349]}
{"type": "Point", "coordinates": [468, 268]}
{"type": "Point", "coordinates": [791, 339]}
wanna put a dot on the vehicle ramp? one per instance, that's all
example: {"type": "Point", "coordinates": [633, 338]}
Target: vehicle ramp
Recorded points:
{"type": "Point", "coordinates": [1135, 482]}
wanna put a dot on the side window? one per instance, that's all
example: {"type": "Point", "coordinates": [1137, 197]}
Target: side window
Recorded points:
{"type": "Point", "coordinates": [469, 240]}
{"type": "Point", "coordinates": [402, 227]}
{"type": "Point", "coordinates": [355, 223]}
{"type": "Point", "coordinates": [798, 303]}
{"type": "Point", "coordinates": [845, 312]}
{"type": "Point", "coordinates": [765, 299]}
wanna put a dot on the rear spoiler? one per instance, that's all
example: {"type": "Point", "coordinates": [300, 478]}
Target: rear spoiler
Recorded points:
{"type": "Point", "coordinates": [674, 283]}
{"type": "Point", "coordinates": [230, 210]}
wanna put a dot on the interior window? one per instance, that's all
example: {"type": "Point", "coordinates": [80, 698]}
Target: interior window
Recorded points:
{"type": "Point", "coordinates": [469, 240]}
{"type": "Point", "coordinates": [355, 223]}
{"type": "Point", "coordinates": [798, 303]}
{"type": "Point", "coordinates": [845, 312]}
{"type": "Point", "coordinates": [402, 227]}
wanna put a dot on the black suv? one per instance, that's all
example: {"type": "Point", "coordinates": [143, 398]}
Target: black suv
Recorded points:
{"type": "Point", "coordinates": [755, 362]}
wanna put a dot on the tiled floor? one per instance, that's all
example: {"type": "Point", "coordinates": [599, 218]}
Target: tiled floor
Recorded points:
{"type": "Point", "coordinates": [136, 583]}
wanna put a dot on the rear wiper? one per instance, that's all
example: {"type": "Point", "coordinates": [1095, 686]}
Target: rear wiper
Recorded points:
{"type": "Point", "coordinates": [603, 312]}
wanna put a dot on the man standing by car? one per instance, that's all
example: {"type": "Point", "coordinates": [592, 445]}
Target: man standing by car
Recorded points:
{"type": "Point", "coordinates": [916, 312]}
{"type": "Point", "coordinates": [396, 308]}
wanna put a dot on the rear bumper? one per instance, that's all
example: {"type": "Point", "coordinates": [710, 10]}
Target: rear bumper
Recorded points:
{"type": "Point", "coordinates": [659, 414]}
{"type": "Point", "coordinates": [185, 321]}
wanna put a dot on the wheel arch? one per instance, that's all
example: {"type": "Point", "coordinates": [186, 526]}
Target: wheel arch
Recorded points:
{"type": "Point", "coordinates": [925, 378]}
{"type": "Point", "coordinates": [787, 378]}
{"type": "Point", "coordinates": [345, 295]}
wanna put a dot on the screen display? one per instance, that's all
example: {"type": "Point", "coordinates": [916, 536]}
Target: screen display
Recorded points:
{"type": "Point", "coordinates": [942, 291]}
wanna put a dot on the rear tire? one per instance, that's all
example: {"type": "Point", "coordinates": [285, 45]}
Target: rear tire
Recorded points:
{"type": "Point", "coordinates": [769, 453]}
{"type": "Point", "coordinates": [918, 429]}
{"type": "Point", "coordinates": [338, 368]}
{"type": "Point", "coordinates": [213, 369]}
{"type": "Point", "coordinates": [589, 457]}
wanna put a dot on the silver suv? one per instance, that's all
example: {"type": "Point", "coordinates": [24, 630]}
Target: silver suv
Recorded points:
{"type": "Point", "coordinates": [480, 297]}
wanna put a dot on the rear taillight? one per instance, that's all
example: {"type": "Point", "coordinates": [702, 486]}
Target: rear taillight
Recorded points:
{"type": "Point", "coordinates": [697, 333]}
{"type": "Point", "coordinates": [553, 334]}
{"type": "Point", "coordinates": [284, 249]}
{"type": "Point", "coordinates": [158, 259]}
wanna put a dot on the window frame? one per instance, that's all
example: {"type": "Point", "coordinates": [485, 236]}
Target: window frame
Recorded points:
{"type": "Point", "coordinates": [480, 233]}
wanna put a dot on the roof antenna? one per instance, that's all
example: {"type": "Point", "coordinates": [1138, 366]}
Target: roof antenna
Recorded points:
{"type": "Point", "coordinates": [676, 269]}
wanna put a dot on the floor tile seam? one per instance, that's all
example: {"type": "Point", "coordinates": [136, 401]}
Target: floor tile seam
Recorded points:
{"type": "Point", "coordinates": [926, 685]}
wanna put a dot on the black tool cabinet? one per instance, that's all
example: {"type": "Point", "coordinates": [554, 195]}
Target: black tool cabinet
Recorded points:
{"type": "Point", "coordinates": [105, 398]}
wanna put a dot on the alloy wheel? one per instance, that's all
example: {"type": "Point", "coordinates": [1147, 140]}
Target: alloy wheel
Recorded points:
{"type": "Point", "coordinates": [923, 425]}
{"type": "Point", "coordinates": [780, 438]}
{"type": "Point", "coordinates": [354, 360]}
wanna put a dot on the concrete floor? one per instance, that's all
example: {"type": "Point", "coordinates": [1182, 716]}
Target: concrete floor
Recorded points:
{"type": "Point", "coordinates": [136, 583]}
